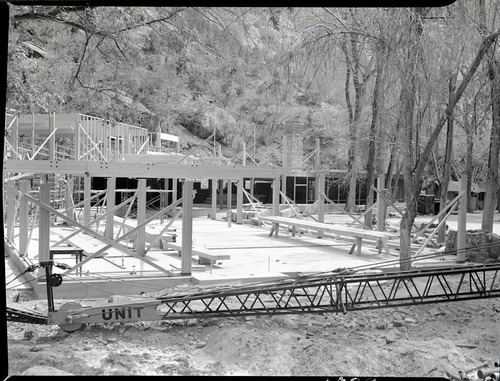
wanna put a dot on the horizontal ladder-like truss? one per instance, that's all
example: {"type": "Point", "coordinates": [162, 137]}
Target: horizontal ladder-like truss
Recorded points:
{"type": "Point", "coordinates": [340, 292]}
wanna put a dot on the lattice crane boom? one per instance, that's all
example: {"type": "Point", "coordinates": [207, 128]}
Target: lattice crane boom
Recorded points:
{"type": "Point", "coordinates": [340, 291]}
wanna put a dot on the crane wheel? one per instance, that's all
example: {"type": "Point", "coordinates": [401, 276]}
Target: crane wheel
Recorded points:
{"type": "Point", "coordinates": [71, 327]}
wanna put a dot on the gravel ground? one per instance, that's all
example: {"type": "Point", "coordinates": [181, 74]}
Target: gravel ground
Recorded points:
{"type": "Point", "coordinates": [416, 341]}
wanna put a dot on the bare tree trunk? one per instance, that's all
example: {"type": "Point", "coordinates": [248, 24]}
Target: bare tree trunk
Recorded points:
{"type": "Point", "coordinates": [353, 73]}
{"type": "Point", "coordinates": [372, 150]}
{"type": "Point", "coordinates": [446, 172]}
{"type": "Point", "coordinates": [492, 176]}
{"type": "Point", "coordinates": [468, 165]}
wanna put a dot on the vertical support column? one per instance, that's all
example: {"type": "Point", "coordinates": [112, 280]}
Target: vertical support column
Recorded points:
{"type": "Point", "coordinates": [229, 201]}
{"type": "Point", "coordinates": [283, 190]}
{"type": "Point", "coordinates": [141, 217]}
{"type": "Point", "coordinates": [69, 197]}
{"type": "Point", "coordinates": [320, 189]}
{"type": "Point", "coordinates": [174, 190]}
{"type": "Point", "coordinates": [44, 226]}
{"type": "Point", "coordinates": [11, 211]}
{"type": "Point", "coordinates": [33, 149]}
{"type": "Point", "coordinates": [110, 203]}
{"type": "Point", "coordinates": [214, 198]}
{"type": "Point", "coordinates": [276, 202]}
{"type": "Point", "coordinates": [23, 217]}
{"type": "Point", "coordinates": [239, 201]}
{"type": "Point", "coordinates": [252, 186]}
{"type": "Point", "coordinates": [221, 194]}
{"type": "Point", "coordinates": [229, 194]}
{"type": "Point", "coordinates": [276, 196]}
{"type": "Point", "coordinates": [462, 220]}
{"type": "Point", "coordinates": [187, 227]}
{"type": "Point", "coordinates": [164, 198]}
{"type": "Point", "coordinates": [77, 139]}
{"type": "Point", "coordinates": [317, 156]}
{"type": "Point", "coordinates": [15, 139]}
{"type": "Point", "coordinates": [244, 158]}
{"type": "Point", "coordinates": [104, 134]}
{"type": "Point", "coordinates": [86, 197]}
{"type": "Point", "coordinates": [52, 140]}
{"type": "Point", "coordinates": [381, 207]}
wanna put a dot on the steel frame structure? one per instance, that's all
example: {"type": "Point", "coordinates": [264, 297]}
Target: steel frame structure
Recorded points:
{"type": "Point", "coordinates": [340, 291]}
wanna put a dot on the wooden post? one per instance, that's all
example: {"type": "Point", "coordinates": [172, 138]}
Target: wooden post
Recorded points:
{"type": "Point", "coordinates": [276, 202]}
{"type": "Point", "coordinates": [24, 187]}
{"type": "Point", "coordinates": [239, 201]}
{"type": "Point", "coordinates": [44, 227]}
{"type": "Point", "coordinates": [110, 203]}
{"type": "Point", "coordinates": [174, 190]}
{"type": "Point", "coordinates": [141, 217]}
{"type": "Point", "coordinates": [221, 194]}
{"type": "Point", "coordinates": [244, 158]}
{"type": "Point", "coordinates": [276, 196]}
{"type": "Point", "coordinates": [77, 139]}
{"type": "Point", "coordinates": [15, 139]}
{"type": "Point", "coordinates": [229, 194]}
{"type": "Point", "coordinates": [11, 211]}
{"type": "Point", "coordinates": [317, 156]}
{"type": "Point", "coordinates": [283, 190]}
{"type": "Point", "coordinates": [381, 207]}
{"type": "Point", "coordinates": [69, 197]}
{"type": "Point", "coordinates": [320, 186]}
{"type": "Point", "coordinates": [462, 220]}
{"type": "Point", "coordinates": [164, 198]}
{"type": "Point", "coordinates": [187, 227]}
{"type": "Point", "coordinates": [52, 140]}
{"type": "Point", "coordinates": [86, 197]}
{"type": "Point", "coordinates": [214, 199]}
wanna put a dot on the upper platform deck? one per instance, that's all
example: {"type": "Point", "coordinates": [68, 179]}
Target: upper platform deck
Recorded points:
{"type": "Point", "coordinates": [76, 137]}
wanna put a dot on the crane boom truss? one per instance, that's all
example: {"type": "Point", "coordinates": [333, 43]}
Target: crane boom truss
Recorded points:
{"type": "Point", "coordinates": [339, 292]}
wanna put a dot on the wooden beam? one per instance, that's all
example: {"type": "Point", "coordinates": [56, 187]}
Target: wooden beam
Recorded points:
{"type": "Point", "coordinates": [317, 157]}
{"type": "Point", "coordinates": [110, 204]}
{"type": "Point", "coordinates": [239, 201]}
{"type": "Point", "coordinates": [87, 181]}
{"type": "Point", "coordinates": [11, 212]}
{"type": "Point", "coordinates": [320, 189]}
{"type": "Point", "coordinates": [244, 159]}
{"type": "Point", "coordinates": [24, 187]}
{"type": "Point", "coordinates": [229, 194]}
{"type": "Point", "coordinates": [139, 169]}
{"type": "Point", "coordinates": [141, 217]}
{"type": "Point", "coordinates": [276, 203]}
{"type": "Point", "coordinates": [15, 138]}
{"type": "Point", "coordinates": [187, 226]}
{"type": "Point", "coordinates": [52, 139]}
{"type": "Point", "coordinates": [174, 189]}
{"type": "Point", "coordinates": [462, 220]}
{"type": "Point", "coordinates": [214, 199]}
{"type": "Point", "coordinates": [221, 194]}
{"type": "Point", "coordinates": [44, 226]}
{"type": "Point", "coordinates": [69, 197]}
{"type": "Point", "coordinates": [381, 207]}
{"type": "Point", "coordinates": [77, 138]}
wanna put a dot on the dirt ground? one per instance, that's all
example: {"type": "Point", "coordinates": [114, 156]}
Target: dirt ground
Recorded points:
{"type": "Point", "coordinates": [416, 341]}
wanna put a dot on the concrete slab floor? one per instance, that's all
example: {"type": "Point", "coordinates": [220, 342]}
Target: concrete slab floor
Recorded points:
{"type": "Point", "coordinates": [254, 255]}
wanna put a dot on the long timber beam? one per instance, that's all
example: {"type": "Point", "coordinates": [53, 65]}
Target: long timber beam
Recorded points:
{"type": "Point", "coordinates": [139, 170]}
